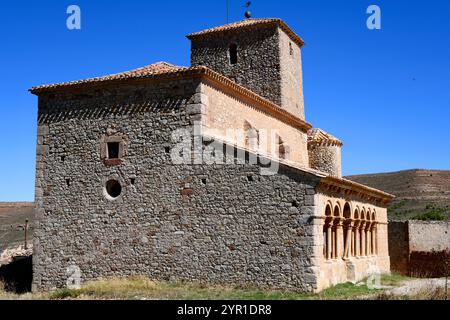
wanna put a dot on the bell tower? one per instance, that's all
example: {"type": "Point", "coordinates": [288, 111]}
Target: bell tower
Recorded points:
{"type": "Point", "coordinates": [263, 55]}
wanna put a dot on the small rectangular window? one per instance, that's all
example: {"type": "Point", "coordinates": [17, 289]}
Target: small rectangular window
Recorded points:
{"type": "Point", "coordinates": [113, 150]}
{"type": "Point", "coordinates": [233, 53]}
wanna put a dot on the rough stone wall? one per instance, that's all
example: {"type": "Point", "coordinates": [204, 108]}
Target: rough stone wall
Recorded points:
{"type": "Point", "coordinates": [223, 112]}
{"type": "Point", "coordinates": [430, 264]}
{"type": "Point", "coordinates": [419, 248]}
{"type": "Point", "coordinates": [220, 224]}
{"type": "Point", "coordinates": [429, 236]}
{"type": "Point", "coordinates": [261, 55]}
{"type": "Point", "coordinates": [399, 246]}
{"type": "Point", "coordinates": [326, 158]}
{"type": "Point", "coordinates": [291, 76]}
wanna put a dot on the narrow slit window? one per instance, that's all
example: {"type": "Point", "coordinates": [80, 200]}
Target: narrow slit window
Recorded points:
{"type": "Point", "coordinates": [233, 53]}
{"type": "Point", "coordinates": [113, 150]}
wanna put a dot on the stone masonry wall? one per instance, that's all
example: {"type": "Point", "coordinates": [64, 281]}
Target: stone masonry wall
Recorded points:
{"type": "Point", "coordinates": [418, 247]}
{"type": "Point", "coordinates": [291, 76]}
{"type": "Point", "coordinates": [429, 236]}
{"type": "Point", "coordinates": [258, 66]}
{"type": "Point", "coordinates": [219, 224]}
{"type": "Point", "coordinates": [326, 159]}
{"type": "Point", "coordinates": [399, 246]}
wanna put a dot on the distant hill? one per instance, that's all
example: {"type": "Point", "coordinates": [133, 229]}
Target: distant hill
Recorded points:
{"type": "Point", "coordinates": [418, 192]}
{"type": "Point", "coordinates": [12, 223]}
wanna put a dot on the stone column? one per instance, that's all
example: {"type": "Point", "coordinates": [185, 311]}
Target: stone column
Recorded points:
{"type": "Point", "coordinates": [374, 239]}
{"type": "Point", "coordinates": [339, 240]}
{"type": "Point", "coordinates": [363, 239]}
{"type": "Point", "coordinates": [348, 241]}
{"type": "Point", "coordinates": [368, 240]}
{"type": "Point", "coordinates": [357, 244]}
{"type": "Point", "coordinates": [329, 242]}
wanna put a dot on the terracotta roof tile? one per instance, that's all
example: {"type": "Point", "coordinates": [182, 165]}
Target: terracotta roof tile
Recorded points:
{"type": "Point", "coordinates": [163, 70]}
{"type": "Point", "coordinates": [150, 70]}
{"type": "Point", "coordinates": [249, 23]}
{"type": "Point", "coordinates": [318, 136]}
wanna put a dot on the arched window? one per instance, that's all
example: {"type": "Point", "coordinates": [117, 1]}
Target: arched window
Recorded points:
{"type": "Point", "coordinates": [233, 53]}
{"type": "Point", "coordinates": [291, 50]}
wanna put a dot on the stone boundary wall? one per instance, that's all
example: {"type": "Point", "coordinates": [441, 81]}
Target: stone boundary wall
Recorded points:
{"type": "Point", "coordinates": [430, 264]}
{"type": "Point", "coordinates": [399, 246]}
{"type": "Point", "coordinates": [428, 236]}
{"type": "Point", "coordinates": [419, 248]}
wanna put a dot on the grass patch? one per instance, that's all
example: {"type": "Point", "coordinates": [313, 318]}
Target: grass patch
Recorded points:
{"type": "Point", "coordinates": [138, 288]}
{"type": "Point", "coordinates": [142, 288]}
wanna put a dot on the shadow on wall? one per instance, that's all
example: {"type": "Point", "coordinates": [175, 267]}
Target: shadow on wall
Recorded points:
{"type": "Point", "coordinates": [430, 264]}
{"type": "Point", "coordinates": [17, 275]}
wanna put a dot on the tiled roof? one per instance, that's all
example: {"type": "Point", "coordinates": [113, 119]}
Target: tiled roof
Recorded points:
{"type": "Point", "coordinates": [150, 70]}
{"type": "Point", "coordinates": [318, 136]}
{"type": "Point", "coordinates": [249, 23]}
{"type": "Point", "coordinates": [165, 71]}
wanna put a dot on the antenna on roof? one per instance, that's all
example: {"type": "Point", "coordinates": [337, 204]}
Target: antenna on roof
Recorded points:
{"type": "Point", "coordinates": [248, 13]}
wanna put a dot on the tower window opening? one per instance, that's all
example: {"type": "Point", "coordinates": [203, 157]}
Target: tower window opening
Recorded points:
{"type": "Point", "coordinates": [233, 53]}
{"type": "Point", "coordinates": [291, 50]}
{"type": "Point", "coordinates": [113, 150]}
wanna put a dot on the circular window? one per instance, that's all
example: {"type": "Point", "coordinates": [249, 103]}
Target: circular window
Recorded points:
{"type": "Point", "coordinates": [113, 189]}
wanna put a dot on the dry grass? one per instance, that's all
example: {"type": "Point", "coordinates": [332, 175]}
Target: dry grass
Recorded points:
{"type": "Point", "coordinates": [142, 288]}
{"type": "Point", "coordinates": [136, 288]}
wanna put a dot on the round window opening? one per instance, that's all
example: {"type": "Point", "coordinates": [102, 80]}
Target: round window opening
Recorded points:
{"type": "Point", "coordinates": [113, 189]}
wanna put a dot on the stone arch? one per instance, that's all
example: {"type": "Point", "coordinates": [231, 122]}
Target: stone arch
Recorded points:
{"type": "Point", "coordinates": [363, 214]}
{"type": "Point", "coordinates": [369, 215]}
{"type": "Point", "coordinates": [328, 211]}
{"type": "Point", "coordinates": [347, 212]}
{"type": "Point", "coordinates": [337, 211]}
{"type": "Point", "coordinates": [356, 213]}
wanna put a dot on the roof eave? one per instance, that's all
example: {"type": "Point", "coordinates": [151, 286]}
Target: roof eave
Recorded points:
{"type": "Point", "coordinates": [279, 23]}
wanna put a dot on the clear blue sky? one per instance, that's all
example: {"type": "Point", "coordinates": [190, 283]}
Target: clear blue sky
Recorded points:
{"type": "Point", "coordinates": [385, 93]}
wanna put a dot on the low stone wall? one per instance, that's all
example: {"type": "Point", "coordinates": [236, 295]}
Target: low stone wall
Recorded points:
{"type": "Point", "coordinates": [428, 236]}
{"type": "Point", "coordinates": [420, 248]}
{"type": "Point", "coordinates": [399, 246]}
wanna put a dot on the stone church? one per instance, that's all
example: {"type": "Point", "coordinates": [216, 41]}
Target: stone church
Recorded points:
{"type": "Point", "coordinates": [113, 199]}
